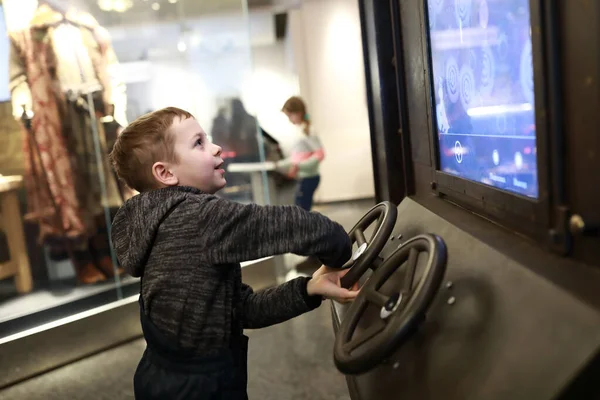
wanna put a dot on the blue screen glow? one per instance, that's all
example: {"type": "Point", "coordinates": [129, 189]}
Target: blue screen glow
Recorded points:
{"type": "Point", "coordinates": [484, 91]}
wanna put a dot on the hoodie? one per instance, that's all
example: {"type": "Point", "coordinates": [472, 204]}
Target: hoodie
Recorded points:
{"type": "Point", "coordinates": [187, 245]}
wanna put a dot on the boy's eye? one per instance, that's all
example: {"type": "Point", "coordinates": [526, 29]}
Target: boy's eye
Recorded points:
{"type": "Point", "coordinates": [199, 142]}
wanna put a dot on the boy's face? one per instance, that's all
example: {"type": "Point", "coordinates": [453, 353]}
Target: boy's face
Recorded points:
{"type": "Point", "coordinates": [200, 163]}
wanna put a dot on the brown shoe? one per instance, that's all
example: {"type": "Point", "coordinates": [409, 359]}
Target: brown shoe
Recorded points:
{"type": "Point", "coordinates": [106, 266]}
{"type": "Point", "coordinates": [88, 274]}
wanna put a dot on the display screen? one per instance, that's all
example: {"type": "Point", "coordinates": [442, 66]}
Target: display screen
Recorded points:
{"type": "Point", "coordinates": [484, 91]}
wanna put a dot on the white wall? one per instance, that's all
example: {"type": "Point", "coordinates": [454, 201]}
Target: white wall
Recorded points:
{"type": "Point", "coordinates": [272, 82]}
{"type": "Point", "coordinates": [328, 51]}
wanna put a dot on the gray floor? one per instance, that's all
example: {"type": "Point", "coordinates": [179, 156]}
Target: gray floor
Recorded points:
{"type": "Point", "coordinates": [292, 360]}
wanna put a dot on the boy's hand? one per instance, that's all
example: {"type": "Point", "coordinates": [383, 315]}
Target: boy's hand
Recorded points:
{"type": "Point", "coordinates": [326, 282]}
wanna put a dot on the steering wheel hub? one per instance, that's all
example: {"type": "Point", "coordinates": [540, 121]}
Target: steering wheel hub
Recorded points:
{"type": "Point", "coordinates": [359, 252]}
{"type": "Point", "coordinates": [391, 305]}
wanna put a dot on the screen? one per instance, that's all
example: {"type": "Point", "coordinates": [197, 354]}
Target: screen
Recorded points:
{"type": "Point", "coordinates": [484, 91]}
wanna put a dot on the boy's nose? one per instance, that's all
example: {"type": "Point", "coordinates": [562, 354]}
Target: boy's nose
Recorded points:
{"type": "Point", "coordinates": [218, 150]}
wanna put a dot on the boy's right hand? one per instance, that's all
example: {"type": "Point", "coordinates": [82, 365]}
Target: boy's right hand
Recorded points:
{"type": "Point", "coordinates": [326, 282]}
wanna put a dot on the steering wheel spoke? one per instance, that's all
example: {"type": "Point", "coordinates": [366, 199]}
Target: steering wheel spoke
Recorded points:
{"type": "Point", "coordinates": [373, 330]}
{"type": "Point", "coordinates": [376, 263]}
{"type": "Point", "coordinates": [374, 297]}
{"type": "Point", "coordinates": [359, 235]}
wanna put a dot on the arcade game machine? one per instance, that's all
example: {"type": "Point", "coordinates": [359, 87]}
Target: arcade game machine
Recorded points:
{"type": "Point", "coordinates": [480, 268]}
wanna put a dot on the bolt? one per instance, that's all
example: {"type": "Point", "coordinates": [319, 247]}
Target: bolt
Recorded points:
{"type": "Point", "coordinates": [452, 300]}
{"type": "Point", "coordinates": [396, 365]}
{"type": "Point", "coordinates": [449, 285]}
{"type": "Point", "coordinates": [392, 238]}
{"type": "Point", "coordinates": [399, 236]}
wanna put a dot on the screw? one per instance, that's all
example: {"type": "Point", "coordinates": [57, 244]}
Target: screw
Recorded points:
{"type": "Point", "coordinates": [396, 365]}
{"type": "Point", "coordinates": [449, 285]}
{"type": "Point", "coordinates": [392, 238]}
{"type": "Point", "coordinates": [399, 236]}
{"type": "Point", "coordinates": [452, 300]}
{"type": "Point", "coordinates": [578, 226]}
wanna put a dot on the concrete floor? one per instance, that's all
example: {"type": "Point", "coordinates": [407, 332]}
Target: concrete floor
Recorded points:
{"type": "Point", "coordinates": [293, 360]}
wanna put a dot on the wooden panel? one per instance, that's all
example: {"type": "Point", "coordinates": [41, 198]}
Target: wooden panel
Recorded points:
{"type": "Point", "coordinates": [8, 269]}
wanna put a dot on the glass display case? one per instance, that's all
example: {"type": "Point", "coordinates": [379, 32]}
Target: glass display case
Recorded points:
{"type": "Point", "coordinates": [73, 74]}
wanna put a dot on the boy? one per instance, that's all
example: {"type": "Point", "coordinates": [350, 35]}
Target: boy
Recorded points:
{"type": "Point", "coordinates": [186, 245]}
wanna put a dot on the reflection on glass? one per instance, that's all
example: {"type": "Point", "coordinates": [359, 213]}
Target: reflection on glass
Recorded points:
{"type": "Point", "coordinates": [195, 56]}
{"type": "Point", "coordinates": [484, 91]}
{"type": "Point", "coordinates": [57, 189]}
{"type": "Point", "coordinates": [106, 63]}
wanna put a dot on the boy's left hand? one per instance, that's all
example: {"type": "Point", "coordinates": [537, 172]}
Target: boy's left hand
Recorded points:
{"type": "Point", "coordinates": [326, 282]}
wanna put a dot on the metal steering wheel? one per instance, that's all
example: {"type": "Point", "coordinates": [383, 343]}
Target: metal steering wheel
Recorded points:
{"type": "Point", "coordinates": [400, 314]}
{"type": "Point", "coordinates": [384, 215]}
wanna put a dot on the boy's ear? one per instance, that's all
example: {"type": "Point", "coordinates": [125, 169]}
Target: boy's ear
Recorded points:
{"type": "Point", "coordinates": [163, 174]}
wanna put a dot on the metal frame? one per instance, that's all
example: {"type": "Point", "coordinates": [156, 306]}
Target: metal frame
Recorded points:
{"type": "Point", "coordinates": [517, 278]}
{"type": "Point", "coordinates": [403, 146]}
{"type": "Point", "coordinates": [496, 297]}
{"type": "Point", "coordinates": [393, 177]}
{"type": "Point", "coordinates": [531, 217]}
{"type": "Point", "coordinates": [579, 65]}
{"type": "Point", "coordinates": [566, 219]}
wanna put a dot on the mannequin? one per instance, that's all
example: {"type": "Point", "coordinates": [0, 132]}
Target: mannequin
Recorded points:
{"type": "Point", "coordinates": [63, 82]}
{"type": "Point", "coordinates": [235, 130]}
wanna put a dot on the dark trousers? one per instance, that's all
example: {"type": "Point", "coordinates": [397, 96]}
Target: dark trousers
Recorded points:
{"type": "Point", "coordinates": [168, 372]}
{"type": "Point", "coordinates": [306, 190]}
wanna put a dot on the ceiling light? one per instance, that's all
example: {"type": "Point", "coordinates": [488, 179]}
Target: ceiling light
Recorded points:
{"type": "Point", "coordinates": [155, 6]}
{"type": "Point", "coordinates": [115, 5]}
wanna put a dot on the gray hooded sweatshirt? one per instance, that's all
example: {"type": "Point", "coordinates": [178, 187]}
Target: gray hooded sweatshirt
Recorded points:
{"type": "Point", "coordinates": [187, 245]}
